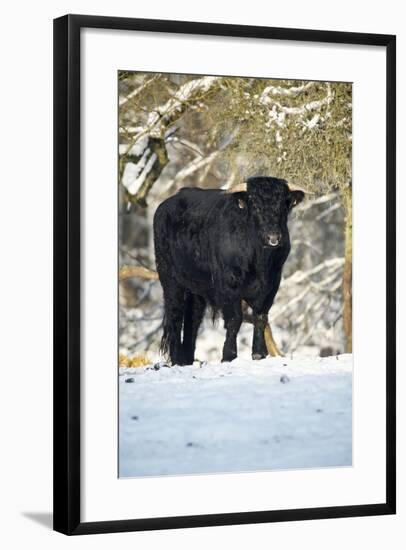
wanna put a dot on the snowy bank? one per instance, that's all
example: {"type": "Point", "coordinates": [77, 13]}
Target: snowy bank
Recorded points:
{"type": "Point", "coordinates": [277, 413]}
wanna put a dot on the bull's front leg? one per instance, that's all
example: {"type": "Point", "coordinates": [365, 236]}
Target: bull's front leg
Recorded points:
{"type": "Point", "coordinates": [259, 349]}
{"type": "Point", "coordinates": [232, 314]}
{"type": "Point", "coordinates": [263, 342]}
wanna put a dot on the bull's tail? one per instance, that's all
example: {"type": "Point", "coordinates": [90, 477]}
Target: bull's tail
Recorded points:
{"type": "Point", "coordinates": [174, 304]}
{"type": "Point", "coordinates": [166, 337]}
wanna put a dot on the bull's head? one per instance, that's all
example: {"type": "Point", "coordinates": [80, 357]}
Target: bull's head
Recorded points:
{"type": "Point", "coordinates": [270, 200]}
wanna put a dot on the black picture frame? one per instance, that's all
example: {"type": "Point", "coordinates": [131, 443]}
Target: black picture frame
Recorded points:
{"type": "Point", "coordinates": [67, 279]}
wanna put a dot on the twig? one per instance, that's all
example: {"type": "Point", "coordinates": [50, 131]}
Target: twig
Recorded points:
{"type": "Point", "coordinates": [328, 211]}
{"type": "Point", "coordinates": [192, 146]}
{"type": "Point", "coordinates": [136, 258]}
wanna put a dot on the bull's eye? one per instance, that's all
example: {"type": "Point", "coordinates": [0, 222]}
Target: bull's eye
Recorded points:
{"type": "Point", "coordinates": [241, 203]}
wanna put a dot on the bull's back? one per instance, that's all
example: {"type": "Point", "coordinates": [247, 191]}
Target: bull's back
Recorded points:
{"type": "Point", "coordinates": [186, 213]}
{"type": "Point", "coordinates": [181, 235]}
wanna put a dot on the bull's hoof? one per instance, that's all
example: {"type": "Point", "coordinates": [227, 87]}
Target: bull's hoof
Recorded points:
{"type": "Point", "coordinates": [257, 356]}
{"type": "Point", "coordinates": [228, 358]}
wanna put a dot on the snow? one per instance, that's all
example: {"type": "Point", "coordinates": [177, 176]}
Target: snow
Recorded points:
{"type": "Point", "coordinates": [312, 122]}
{"type": "Point", "coordinates": [277, 413]}
{"type": "Point", "coordinates": [137, 149]}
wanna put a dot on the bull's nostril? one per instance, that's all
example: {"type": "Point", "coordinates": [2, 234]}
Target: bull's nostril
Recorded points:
{"type": "Point", "coordinates": [273, 239]}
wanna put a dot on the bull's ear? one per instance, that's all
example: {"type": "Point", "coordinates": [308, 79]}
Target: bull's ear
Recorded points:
{"type": "Point", "coordinates": [296, 197]}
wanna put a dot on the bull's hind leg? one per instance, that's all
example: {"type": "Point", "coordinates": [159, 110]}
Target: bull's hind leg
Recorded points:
{"type": "Point", "coordinates": [194, 311]}
{"type": "Point", "coordinates": [174, 303]}
{"type": "Point", "coordinates": [232, 314]}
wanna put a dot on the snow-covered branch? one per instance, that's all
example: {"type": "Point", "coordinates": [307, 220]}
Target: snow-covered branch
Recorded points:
{"type": "Point", "coordinates": [302, 109]}
{"type": "Point", "coordinates": [143, 159]}
{"type": "Point", "coordinates": [186, 97]}
{"type": "Point", "coordinates": [306, 205]}
{"type": "Point", "coordinates": [299, 276]}
{"type": "Point", "coordinates": [144, 165]}
{"type": "Point", "coordinates": [278, 112]}
{"type": "Point", "coordinates": [303, 283]}
{"type": "Point", "coordinates": [286, 92]}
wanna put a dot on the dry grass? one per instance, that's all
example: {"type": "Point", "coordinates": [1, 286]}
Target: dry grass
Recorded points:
{"type": "Point", "coordinates": [139, 360]}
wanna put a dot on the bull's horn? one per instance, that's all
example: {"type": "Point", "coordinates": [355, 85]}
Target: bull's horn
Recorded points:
{"type": "Point", "coordinates": [293, 187]}
{"type": "Point", "coordinates": [240, 188]}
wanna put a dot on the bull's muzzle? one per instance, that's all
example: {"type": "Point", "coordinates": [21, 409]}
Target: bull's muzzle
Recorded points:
{"type": "Point", "coordinates": [274, 238]}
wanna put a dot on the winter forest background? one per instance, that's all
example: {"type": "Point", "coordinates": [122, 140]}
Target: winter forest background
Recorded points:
{"type": "Point", "coordinates": [207, 131]}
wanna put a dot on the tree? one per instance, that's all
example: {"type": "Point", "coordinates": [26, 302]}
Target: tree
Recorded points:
{"type": "Point", "coordinates": [215, 131]}
{"type": "Point", "coordinates": [302, 130]}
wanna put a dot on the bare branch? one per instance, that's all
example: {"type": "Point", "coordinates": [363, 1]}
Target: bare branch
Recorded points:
{"type": "Point", "coordinates": [128, 271]}
{"type": "Point", "coordinates": [190, 169]}
{"type": "Point", "coordinates": [328, 211]}
{"type": "Point", "coordinates": [125, 102]}
{"type": "Point", "coordinates": [192, 146]}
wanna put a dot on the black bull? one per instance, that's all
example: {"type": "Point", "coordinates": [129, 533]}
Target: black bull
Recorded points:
{"type": "Point", "coordinates": [218, 248]}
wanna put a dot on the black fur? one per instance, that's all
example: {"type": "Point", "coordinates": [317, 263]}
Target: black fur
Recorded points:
{"type": "Point", "coordinates": [213, 248]}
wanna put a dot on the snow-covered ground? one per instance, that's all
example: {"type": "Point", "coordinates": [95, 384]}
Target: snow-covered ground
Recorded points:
{"type": "Point", "coordinates": [277, 413]}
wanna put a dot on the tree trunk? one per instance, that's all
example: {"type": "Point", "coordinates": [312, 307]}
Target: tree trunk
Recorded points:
{"type": "Point", "coordinates": [347, 275]}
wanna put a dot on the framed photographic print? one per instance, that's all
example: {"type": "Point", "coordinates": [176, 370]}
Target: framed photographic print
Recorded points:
{"type": "Point", "coordinates": [224, 266]}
